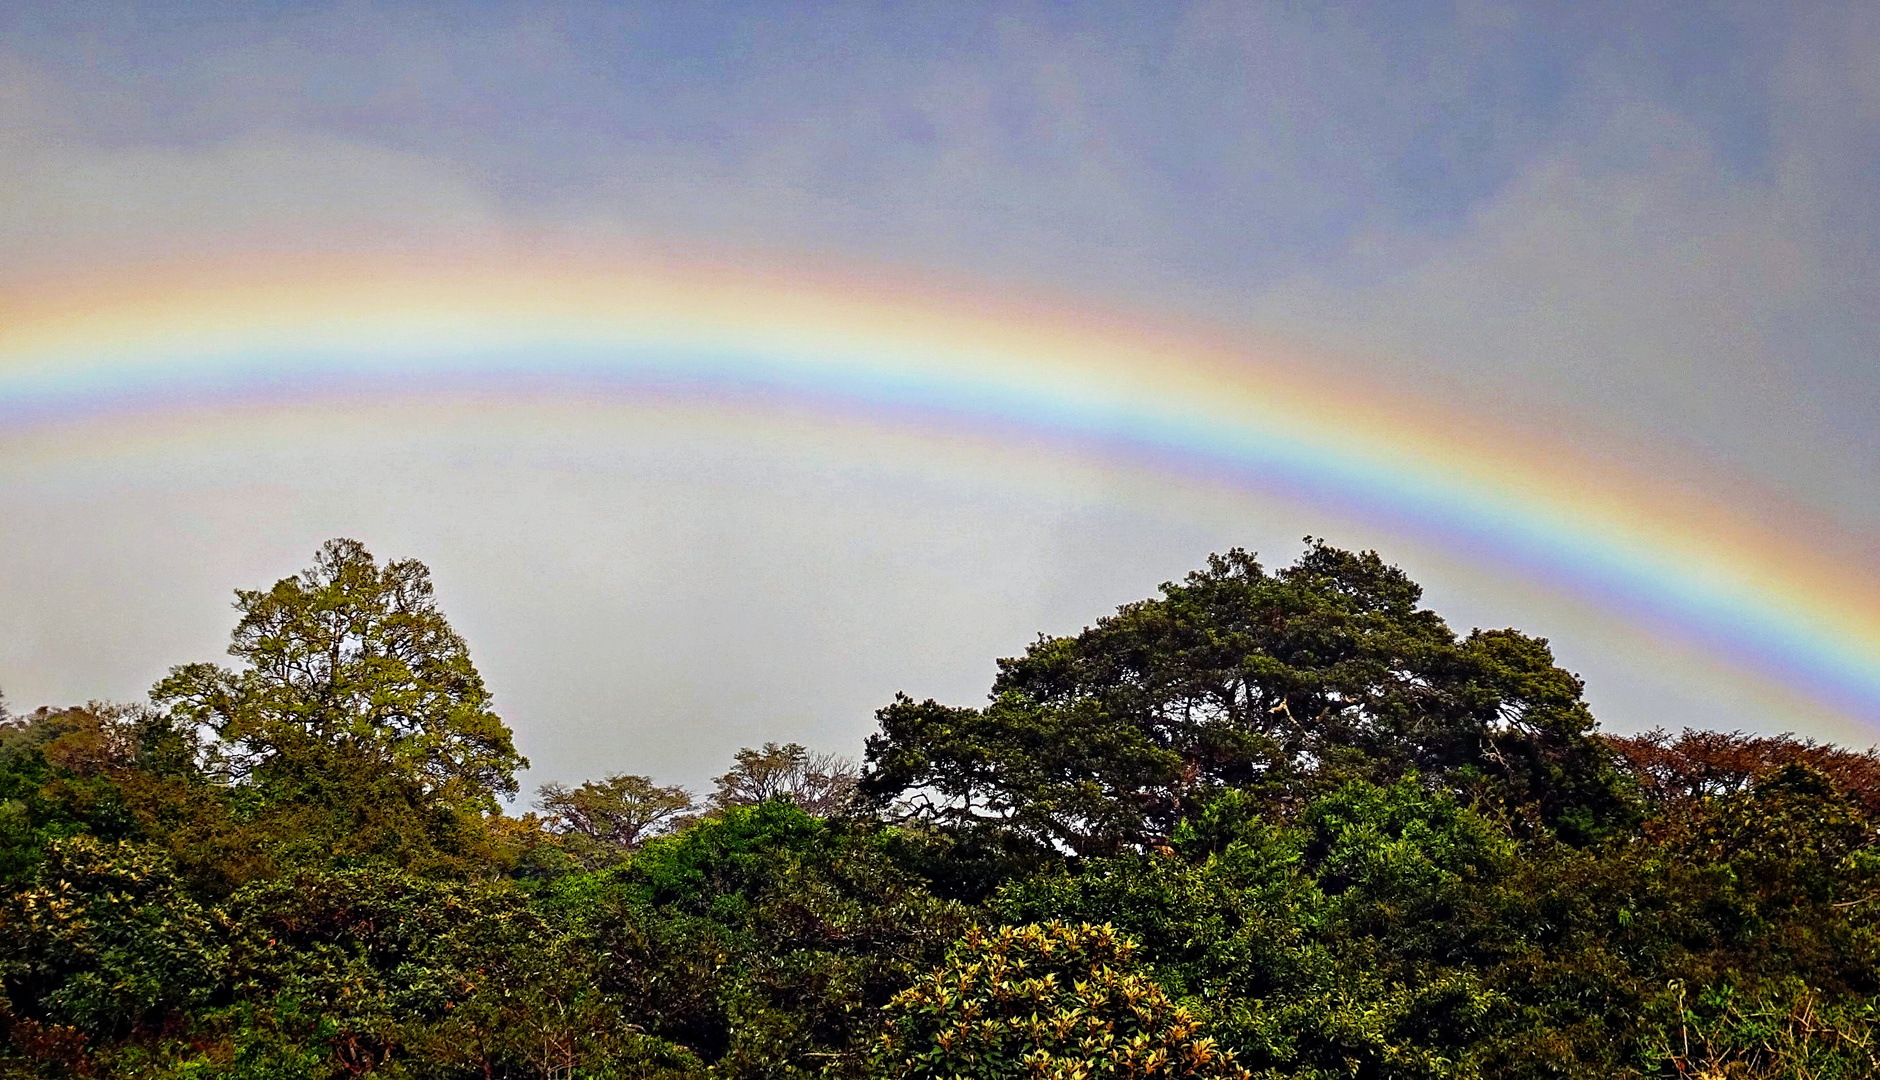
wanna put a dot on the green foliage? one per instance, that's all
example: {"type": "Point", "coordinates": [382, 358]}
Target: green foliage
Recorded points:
{"type": "Point", "coordinates": [1285, 825]}
{"type": "Point", "coordinates": [114, 773]}
{"type": "Point", "coordinates": [1282, 683]}
{"type": "Point", "coordinates": [603, 820]}
{"type": "Point", "coordinates": [339, 807]}
{"type": "Point", "coordinates": [439, 978]}
{"type": "Point", "coordinates": [352, 657]}
{"type": "Point", "coordinates": [106, 941]}
{"type": "Point", "coordinates": [1306, 948]}
{"type": "Point", "coordinates": [763, 939]}
{"type": "Point", "coordinates": [1785, 1032]}
{"type": "Point", "coordinates": [1228, 923]}
{"type": "Point", "coordinates": [1404, 863]}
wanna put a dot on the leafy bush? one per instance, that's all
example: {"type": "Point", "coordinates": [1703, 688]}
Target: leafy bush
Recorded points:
{"type": "Point", "coordinates": [106, 941]}
{"type": "Point", "coordinates": [1052, 1001]}
{"type": "Point", "coordinates": [1786, 1032]}
{"type": "Point", "coordinates": [763, 939]}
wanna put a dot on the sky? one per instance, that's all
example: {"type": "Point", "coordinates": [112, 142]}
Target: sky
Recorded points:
{"type": "Point", "coordinates": [1645, 236]}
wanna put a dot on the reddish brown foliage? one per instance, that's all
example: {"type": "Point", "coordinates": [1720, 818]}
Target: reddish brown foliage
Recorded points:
{"type": "Point", "coordinates": [1708, 763]}
{"type": "Point", "coordinates": [59, 1048]}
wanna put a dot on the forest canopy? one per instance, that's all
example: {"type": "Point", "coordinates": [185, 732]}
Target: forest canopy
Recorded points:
{"type": "Point", "coordinates": [1274, 823]}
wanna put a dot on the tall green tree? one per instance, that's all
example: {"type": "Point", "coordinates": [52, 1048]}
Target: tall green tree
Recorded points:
{"type": "Point", "coordinates": [1286, 681]}
{"type": "Point", "coordinates": [353, 659]}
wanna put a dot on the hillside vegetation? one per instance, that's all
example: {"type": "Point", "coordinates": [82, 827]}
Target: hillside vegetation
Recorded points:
{"type": "Point", "coordinates": [1268, 823]}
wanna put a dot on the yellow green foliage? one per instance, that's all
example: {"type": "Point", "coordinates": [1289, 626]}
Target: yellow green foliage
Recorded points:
{"type": "Point", "coordinates": [1051, 1001]}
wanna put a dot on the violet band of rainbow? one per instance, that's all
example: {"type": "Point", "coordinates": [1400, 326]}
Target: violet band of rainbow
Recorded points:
{"type": "Point", "coordinates": [1262, 421]}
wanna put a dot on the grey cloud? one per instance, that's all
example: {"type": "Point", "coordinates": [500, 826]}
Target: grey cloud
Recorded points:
{"type": "Point", "coordinates": [1216, 141]}
{"type": "Point", "coordinates": [1630, 275]}
{"type": "Point", "coordinates": [265, 192]}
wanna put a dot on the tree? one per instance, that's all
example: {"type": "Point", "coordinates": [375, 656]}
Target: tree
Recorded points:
{"type": "Point", "coordinates": [762, 939]}
{"type": "Point", "coordinates": [118, 772]}
{"type": "Point", "coordinates": [1062, 777]}
{"type": "Point", "coordinates": [1704, 764]}
{"type": "Point", "coordinates": [1286, 682]}
{"type": "Point", "coordinates": [820, 783]}
{"type": "Point", "coordinates": [96, 736]}
{"type": "Point", "coordinates": [1786, 1032]}
{"type": "Point", "coordinates": [622, 811]}
{"type": "Point", "coordinates": [354, 659]}
{"type": "Point", "coordinates": [1305, 948]}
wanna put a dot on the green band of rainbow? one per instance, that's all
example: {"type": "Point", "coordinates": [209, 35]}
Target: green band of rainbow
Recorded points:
{"type": "Point", "coordinates": [1713, 575]}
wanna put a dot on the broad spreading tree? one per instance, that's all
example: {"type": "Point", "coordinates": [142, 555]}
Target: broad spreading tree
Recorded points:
{"type": "Point", "coordinates": [621, 811]}
{"type": "Point", "coordinates": [819, 782]}
{"type": "Point", "coordinates": [1282, 681]}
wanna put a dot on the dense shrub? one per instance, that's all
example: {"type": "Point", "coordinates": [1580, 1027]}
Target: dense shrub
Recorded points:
{"type": "Point", "coordinates": [1052, 1001]}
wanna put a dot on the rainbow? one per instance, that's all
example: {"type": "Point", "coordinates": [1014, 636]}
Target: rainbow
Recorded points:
{"type": "Point", "coordinates": [1717, 574]}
